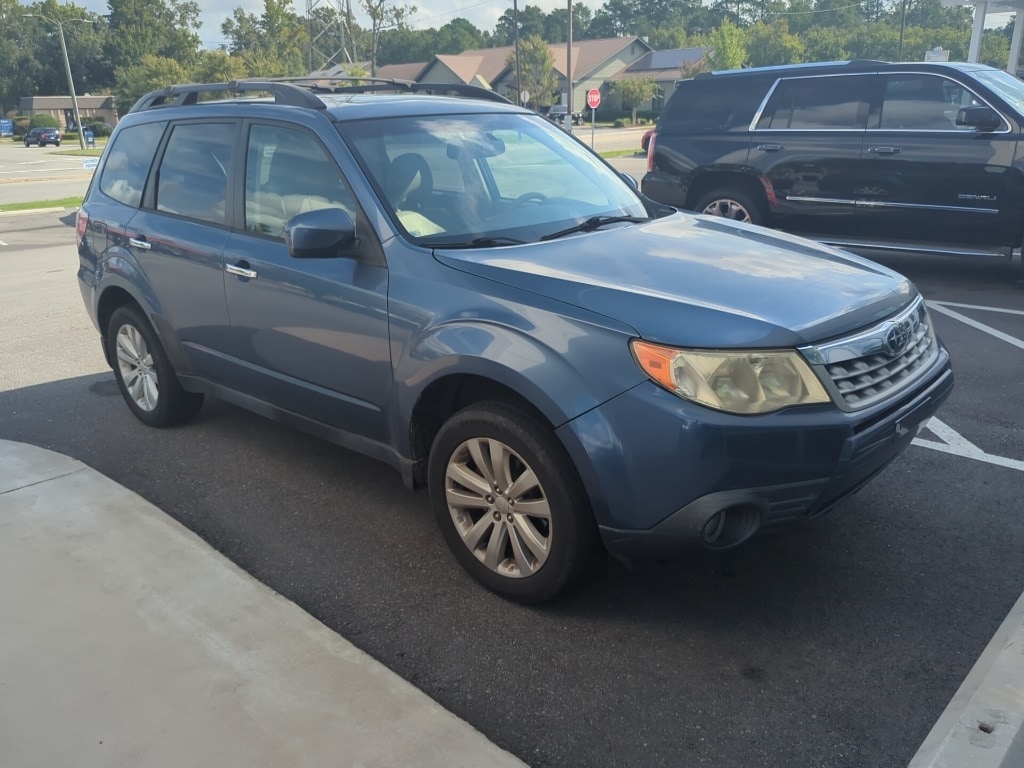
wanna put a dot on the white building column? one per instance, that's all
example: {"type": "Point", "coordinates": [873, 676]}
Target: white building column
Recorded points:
{"type": "Point", "coordinates": [1018, 32]}
{"type": "Point", "coordinates": [979, 26]}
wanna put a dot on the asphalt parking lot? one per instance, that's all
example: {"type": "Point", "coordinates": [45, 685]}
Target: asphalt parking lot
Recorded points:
{"type": "Point", "coordinates": [838, 644]}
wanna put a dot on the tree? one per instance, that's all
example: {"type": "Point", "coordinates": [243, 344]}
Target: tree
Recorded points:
{"type": "Point", "coordinates": [382, 16]}
{"type": "Point", "coordinates": [531, 23]}
{"type": "Point", "coordinates": [536, 70]}
{"type": "Point", "coordinates": [148, 74]}
{"type": "Point", "coordinates": [162, 28]}
{"type": "Point", "coordinates": [218, 67]}
{"type": "Point", "coordinates": [728, 46]}
{"type": "Point", "coordinates": [770, 44]}
{"type": "Point", "coordinates": [273, 44]}
{"type": "Point", "coordinates": [456, 36]}
{"type": "Point", "coordinates": [635, 92]}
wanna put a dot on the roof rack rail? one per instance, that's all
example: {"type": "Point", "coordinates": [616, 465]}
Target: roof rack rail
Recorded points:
{"type": "Point", "coordinates": [372, 84]}
{"type": "Point", "coordinates": [182, 95]}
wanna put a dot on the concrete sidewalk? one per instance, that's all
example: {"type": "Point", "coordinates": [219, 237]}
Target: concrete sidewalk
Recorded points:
{"type": "Point", "coordinates": [125, 640]}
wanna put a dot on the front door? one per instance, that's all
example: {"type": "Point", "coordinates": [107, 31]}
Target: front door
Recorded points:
{"type": "Point", "coordinates": [925, 178]}
{"type": "Point", "coordinates": [309, 335]}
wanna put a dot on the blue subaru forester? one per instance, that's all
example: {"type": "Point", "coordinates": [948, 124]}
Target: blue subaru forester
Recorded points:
{"type": "Point", "coordinates": [452, 285]}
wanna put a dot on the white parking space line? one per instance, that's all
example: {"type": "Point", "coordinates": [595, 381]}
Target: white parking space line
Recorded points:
{"type": "Point", "coordinates": [955, 443]}
{"type": "Point", "coordinates": [976, 306]}
{"type": "Point", "coordinates": [942, 308]}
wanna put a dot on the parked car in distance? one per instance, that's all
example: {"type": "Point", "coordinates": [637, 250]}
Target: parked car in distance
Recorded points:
{"type": "Point", "coordinates": [860, 154]}
{"type": "Point", "coordinates": [42, 136]}
{"type": "Point", "coordinates": [453, 286]}
{"type": "Point", "coordinates": [557, 112]}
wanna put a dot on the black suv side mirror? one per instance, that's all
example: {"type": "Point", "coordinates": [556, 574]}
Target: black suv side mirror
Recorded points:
{"type": "Point", "coordinates": [983, 118]}
{"type": "Point", "coordinates": [320, 234]}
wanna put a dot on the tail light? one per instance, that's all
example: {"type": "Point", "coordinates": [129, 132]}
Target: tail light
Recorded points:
{"type": "Point", "coordinates": [81, 223]}
{"type": "Point", "coordinates": [650, 151]}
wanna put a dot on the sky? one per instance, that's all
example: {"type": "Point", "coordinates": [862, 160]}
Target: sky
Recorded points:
{"type": "Point", "coordinates": [483, 14]}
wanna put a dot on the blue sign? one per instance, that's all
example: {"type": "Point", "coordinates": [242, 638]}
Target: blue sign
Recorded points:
{"type": "Point", "coordinates": [6, 127]}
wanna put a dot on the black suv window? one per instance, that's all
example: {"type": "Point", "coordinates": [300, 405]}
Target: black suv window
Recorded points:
{"type": "Point", "coordinates": [818, 103]}
{"type": "Point", "coordinates": [712, 104]}
{"type": "Point", "coordinates": [127, 161]}
{"type": "Point", "coordinates": [923, 103]}
{"type": "Point", "coordinates": [193, 176]}
{"type": "Point", "coordinates": [287, 172]}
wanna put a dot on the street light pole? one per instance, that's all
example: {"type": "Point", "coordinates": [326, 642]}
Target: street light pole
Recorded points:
{"type": "Point", "coordinates": [67, 69]}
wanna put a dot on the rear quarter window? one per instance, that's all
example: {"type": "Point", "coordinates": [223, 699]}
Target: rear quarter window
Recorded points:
{"type": "Point", "coordinates": [713, 104]}
{"type": "Point", "coordinates": [127, 162]}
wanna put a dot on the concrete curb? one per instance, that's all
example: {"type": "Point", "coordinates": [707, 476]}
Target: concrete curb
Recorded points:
{"type": "Point", "coordinates": [127, 640]}
{"type": "Point", "coordinates": [983, 726]}
{"type": "Point", "coordinates": [36, 210]}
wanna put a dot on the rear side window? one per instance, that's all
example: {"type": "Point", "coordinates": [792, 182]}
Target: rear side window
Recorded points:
{"type": "Point", "coordinates": [708, 105]}
{"type": "Point", "coordinates": [126, 164]}
{"type": "Point", "coordinates": [818, 103]}
{"type": "Point", "coordinates": [193, 177]}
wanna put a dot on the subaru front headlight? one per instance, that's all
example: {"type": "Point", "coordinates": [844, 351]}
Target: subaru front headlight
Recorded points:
{"type": "Point", "coordinates": [734, 381]}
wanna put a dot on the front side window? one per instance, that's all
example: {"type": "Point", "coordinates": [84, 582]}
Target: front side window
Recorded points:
{"type": "Point", "coordinates": [127, 160]}
{"type": "Point", "coordinates": [192, 180]}
{"type": "Point", "coordinates": [923, 102]}
{"type": "Point", "coordinates": [460, 179]}
{"type": "Point", "coordinates": [818, 103]}
{"type": "Point", "coordinates": [287, 172]}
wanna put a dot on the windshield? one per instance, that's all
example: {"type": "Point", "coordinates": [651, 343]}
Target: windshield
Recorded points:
{"type": "Point", "coordinates": [1007, 86]}
{"type": "Point", "coordinates": [485, 179]}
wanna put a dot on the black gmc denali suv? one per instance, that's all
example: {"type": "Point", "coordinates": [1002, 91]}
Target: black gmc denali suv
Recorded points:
{"type": "Point", "coordinates": [859, 154]}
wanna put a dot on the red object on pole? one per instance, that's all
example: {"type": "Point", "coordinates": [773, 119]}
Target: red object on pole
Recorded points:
{"type": "Point", "coordinates": [593, 98]}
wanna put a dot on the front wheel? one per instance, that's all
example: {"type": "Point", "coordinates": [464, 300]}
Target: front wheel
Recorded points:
{"type": "Point", "coordinates": [144, 375]}
{"type": "Point", "coordinates": [509, 503]}
{"type": "Point", "coordinates": [732, 204]}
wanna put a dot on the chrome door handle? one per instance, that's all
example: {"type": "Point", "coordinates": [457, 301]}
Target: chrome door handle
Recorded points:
{"type": "Point", "coordinates": [137, 243]}
{"type": "Point", "coordinates": [770, 147]}
{"type": "Point", "coordinates": [886, 150]}
{"type": "Point", "coordinates": [232, 269]}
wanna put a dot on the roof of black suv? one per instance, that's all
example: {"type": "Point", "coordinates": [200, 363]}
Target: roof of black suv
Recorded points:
{"type": "Point", "coordinates": [856, 65]}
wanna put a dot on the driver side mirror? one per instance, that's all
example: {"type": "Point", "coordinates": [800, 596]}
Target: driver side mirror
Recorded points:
{"type": "Point", "coordinates": [982, 118]}
{"type": "Point", "coordinates": [321, 234]}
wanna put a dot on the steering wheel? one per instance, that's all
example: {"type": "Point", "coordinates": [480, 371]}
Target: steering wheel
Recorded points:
{"type": "Point", "coordinates": [527, 197]}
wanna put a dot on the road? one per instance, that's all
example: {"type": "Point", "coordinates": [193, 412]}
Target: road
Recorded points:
{"type": "Point", "coordinates": [835, 645]}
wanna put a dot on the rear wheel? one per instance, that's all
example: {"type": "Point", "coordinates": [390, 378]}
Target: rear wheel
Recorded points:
{"type": "Point", "coordinates": [732, 204]}
{"type": "Point", "coordinates": [509, 503]}
{"type": "Point", "coordinates": [144, 375]}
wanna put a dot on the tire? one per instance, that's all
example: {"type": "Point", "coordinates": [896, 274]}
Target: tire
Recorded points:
{"type": "Point", "coordinates": [526, 556]}
{"type": "Point", "coordinates": [732, 204]}
{"type": "Point", "coordinates": [57, 144]}
{"type": "Point", "coordinates": [144, 375]}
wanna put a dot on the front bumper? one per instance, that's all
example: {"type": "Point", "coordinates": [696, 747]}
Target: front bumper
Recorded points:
{"type": "Point", "coordinates": [658, 469]}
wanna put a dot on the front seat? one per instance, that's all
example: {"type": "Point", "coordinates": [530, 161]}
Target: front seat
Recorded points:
{"type": "Point", "coordinates": [410, 182]}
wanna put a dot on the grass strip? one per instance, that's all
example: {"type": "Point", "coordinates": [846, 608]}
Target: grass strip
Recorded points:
{"type": "Point", "coordinates": [64, 202]}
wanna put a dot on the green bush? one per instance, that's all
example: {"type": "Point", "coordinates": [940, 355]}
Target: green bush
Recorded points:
{"type": "Point", "coordinates": [43, 121]}
{"type": "Point", "coordinates": [620, 123]}
{"type": "Point", "coordinates": [99, 129]}
{"type": "Point", "coordinates": [21, 125]}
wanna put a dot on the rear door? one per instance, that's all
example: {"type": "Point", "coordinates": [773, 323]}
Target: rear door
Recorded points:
{"type": "Point", "coordinates": [179, 233]}
{"type": "Point", "coordinates": [807, 146]}
{"type": "Point", "coordinates": [925, 178]}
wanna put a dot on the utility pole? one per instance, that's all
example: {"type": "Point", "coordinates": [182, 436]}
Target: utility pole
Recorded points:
{"type": "Point", "coordinates": [568, 68]}
{"type": "Point", "coordinates": [515, 32]}
{"type": "Point", "coordinates": [67, 68]}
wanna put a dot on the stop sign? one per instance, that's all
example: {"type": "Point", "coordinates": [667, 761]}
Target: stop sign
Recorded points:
{"type": "Point", "coordinates": [593, 98]}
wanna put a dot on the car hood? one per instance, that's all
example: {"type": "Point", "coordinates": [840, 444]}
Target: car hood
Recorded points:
{"type": "Point", "coordinates": [701, 281]}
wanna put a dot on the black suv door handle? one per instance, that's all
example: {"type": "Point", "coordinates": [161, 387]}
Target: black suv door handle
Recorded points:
{"type": "Point", "coordinates": [241, 269]}
{"type": "Point", "coordinates": [886, 150]}
{"type": "Point", "coordinates": [139, 242]}
{"type": "Point", "coordinates": [770, 147]}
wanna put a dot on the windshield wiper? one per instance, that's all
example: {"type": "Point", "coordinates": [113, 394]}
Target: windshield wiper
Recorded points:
{"type": "Point", "coordinates": [478, 242]}
{"type": "Point", "coordinates": [595, 222]}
